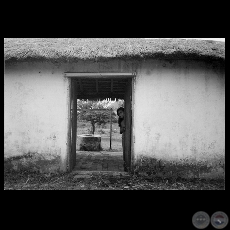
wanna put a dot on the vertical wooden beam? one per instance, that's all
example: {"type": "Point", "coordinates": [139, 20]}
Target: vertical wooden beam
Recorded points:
{"type": "Point", "coordinates": [110, 129]}
{"type": "Point", "coordinates": [132, 121]}
{"type": "Point", "coordinates": [74, 125]}
{"type": "Point", "coordinates": [128, 122]}
{"type": "Point", "coordinates": [70, 159]}
{"type": "Point", "coordinates": [67, 166]}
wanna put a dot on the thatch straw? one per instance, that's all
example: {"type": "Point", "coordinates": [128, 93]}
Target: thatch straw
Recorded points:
{"type": "Point", "coordinates": [67, 49]}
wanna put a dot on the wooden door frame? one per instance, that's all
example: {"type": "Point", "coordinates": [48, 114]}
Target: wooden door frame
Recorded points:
{"type": "Point", "coordinates": [70, 76]}
{"type": "Point", "coordinates": [71, 98]}
{"type": "Point", "coordinates": [133, 85]}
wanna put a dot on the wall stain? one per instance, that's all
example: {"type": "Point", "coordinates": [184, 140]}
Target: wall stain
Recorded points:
{"type": "Point", "coordinates": [184, 168]}
{"type": "Point", "coordinates": [33, 162]}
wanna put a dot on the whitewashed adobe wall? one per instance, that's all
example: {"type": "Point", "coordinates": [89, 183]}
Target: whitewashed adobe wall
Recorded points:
{"type": "Point", "coordinates": [35, 111]}
{"type": "Point", "coordinates": [179, 110]}
{"type": "Point", "coordinates": [180, 114]}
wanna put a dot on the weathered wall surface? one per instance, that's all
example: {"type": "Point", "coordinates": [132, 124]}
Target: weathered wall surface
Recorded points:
{"type": "Point", "coordinates": [178, 122]}
{"type": "Point", "coordinates": [35, 114]}
{"type": "Point", "coordinates": [179, 116]}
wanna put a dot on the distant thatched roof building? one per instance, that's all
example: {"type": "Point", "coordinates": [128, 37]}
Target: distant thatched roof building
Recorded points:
{"type": "Point", "coordinates": [73, 49]}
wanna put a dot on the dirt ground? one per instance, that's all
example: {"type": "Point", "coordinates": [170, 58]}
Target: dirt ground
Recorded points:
{"type": "Point", "coordinates": [103, 180]}
{"type": "Point", "coordinates": [102, 171]}
{"type": "Point", "coordinates": [99, 161]}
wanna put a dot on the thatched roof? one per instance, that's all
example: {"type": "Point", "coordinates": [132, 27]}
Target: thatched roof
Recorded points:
{"type": "Point", "coordinates": [73, 49]}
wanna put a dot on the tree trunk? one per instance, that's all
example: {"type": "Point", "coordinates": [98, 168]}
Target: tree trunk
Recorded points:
{"type": "Point", "coordinates": [93, 127]}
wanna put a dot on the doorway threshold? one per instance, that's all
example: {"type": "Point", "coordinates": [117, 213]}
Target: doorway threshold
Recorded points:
{"type": "Point", "coordinates": [112, 173]}
{"type": "Point", "coordinates": [99, 161]}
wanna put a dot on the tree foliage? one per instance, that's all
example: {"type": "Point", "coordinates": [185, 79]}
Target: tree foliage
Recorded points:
{"type": "Point", "coordinates": [99, 117]}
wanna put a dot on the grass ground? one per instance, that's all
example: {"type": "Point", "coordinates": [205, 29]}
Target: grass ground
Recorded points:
{"type": "Point", "coordinates": [100, 181]}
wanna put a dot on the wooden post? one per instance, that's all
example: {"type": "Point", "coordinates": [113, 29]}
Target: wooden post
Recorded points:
{"type": "Point", "coordinates": [69, 142]}
{"type": "Point", "coordinates": [110, 129]}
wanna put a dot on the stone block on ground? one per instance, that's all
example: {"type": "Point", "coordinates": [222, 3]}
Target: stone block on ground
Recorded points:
{"type": "Point", "coordinates": [90, 142]}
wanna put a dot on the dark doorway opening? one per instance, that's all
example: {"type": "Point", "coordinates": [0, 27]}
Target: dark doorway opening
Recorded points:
{"type": "Point", "coordinates": [99, 87]}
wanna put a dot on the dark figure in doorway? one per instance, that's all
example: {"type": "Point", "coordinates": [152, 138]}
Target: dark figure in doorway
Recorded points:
{"type": "Point", "coordinates": [121, 123]}
{"type": "Point", "coordinates": [121, 120]}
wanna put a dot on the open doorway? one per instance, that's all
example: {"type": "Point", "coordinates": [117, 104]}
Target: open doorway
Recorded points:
{"type": "Point", "coordinates": [99, 86]}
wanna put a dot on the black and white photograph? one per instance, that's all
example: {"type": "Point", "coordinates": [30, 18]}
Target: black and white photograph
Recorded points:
{"type": "Point", "coordinates": [114, 114]}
